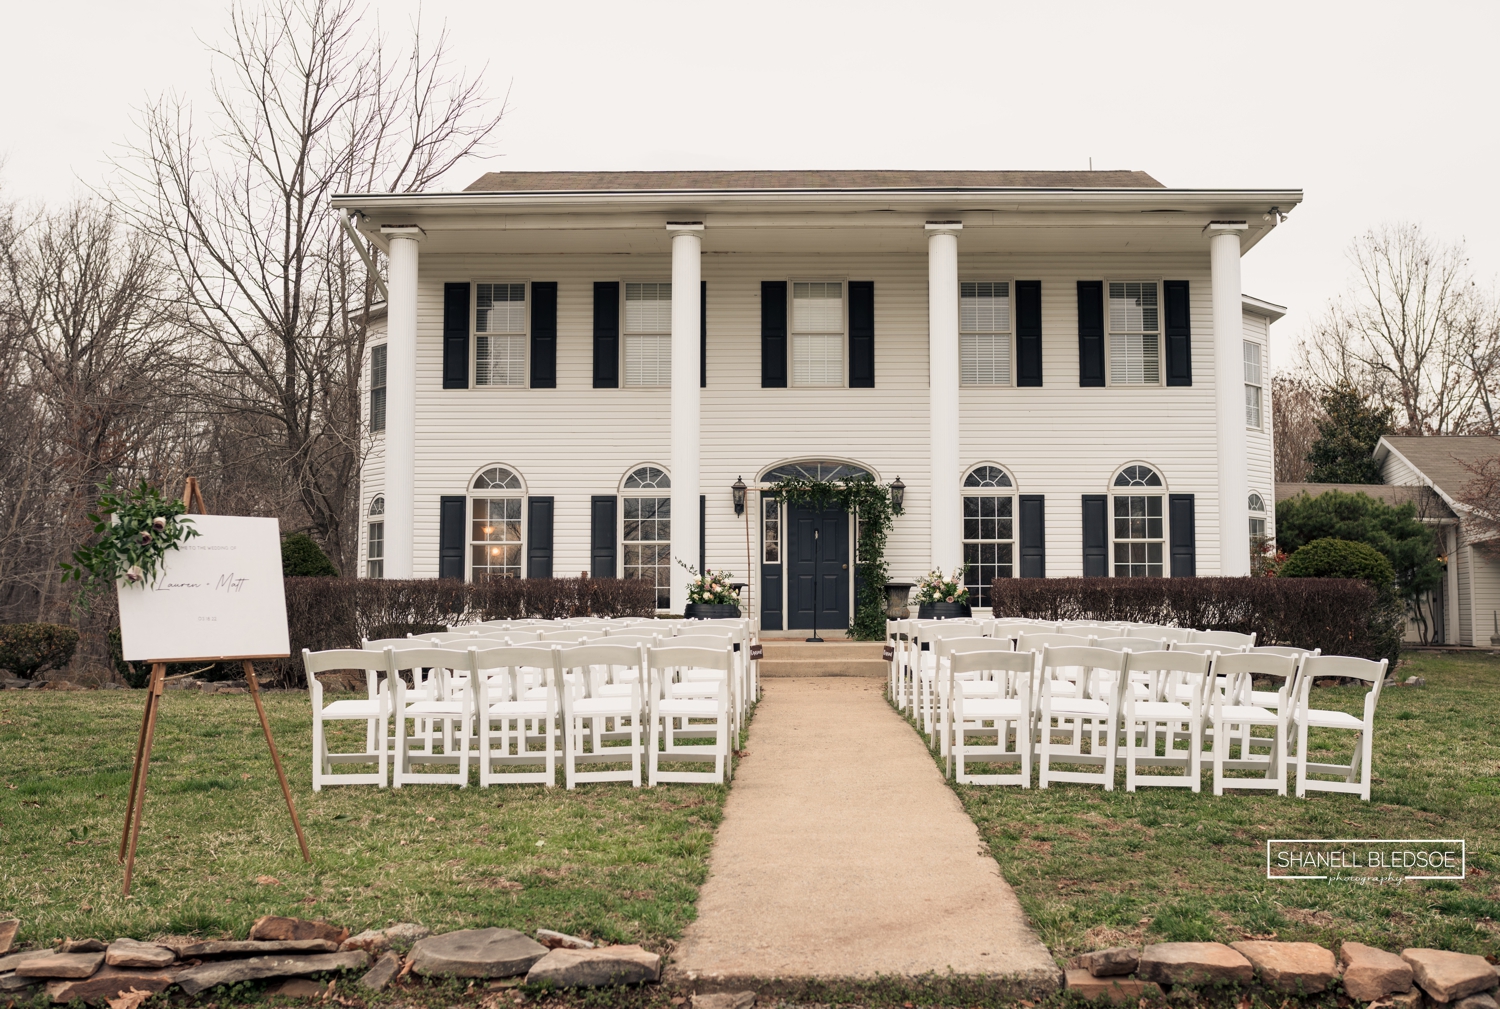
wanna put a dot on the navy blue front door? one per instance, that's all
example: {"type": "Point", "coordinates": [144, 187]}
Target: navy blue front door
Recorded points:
{"type": "Point", "coordinates": [817, 548]}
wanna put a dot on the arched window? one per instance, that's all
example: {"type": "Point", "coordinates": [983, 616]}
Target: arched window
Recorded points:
{"type": "Point", "coordinates": [1257, 526]}
{"type": "Point", "coordinates": [375, 544]}
{"type": "Point", "coordinates": [647, 533]}
{"type": "Point", "coordinates": [1139, 530]}
{"type": "Point", "coordinates": [495, 529]}
{"type": "Point", "coordinates": [989, 530]}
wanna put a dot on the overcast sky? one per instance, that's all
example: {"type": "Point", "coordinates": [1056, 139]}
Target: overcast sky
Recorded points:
{"type": "Point", "coordinates": [1379, 111]}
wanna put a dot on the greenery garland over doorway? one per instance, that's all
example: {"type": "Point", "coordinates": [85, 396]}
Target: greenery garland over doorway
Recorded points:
{"type": "Point", "coordinates": [870, 504]}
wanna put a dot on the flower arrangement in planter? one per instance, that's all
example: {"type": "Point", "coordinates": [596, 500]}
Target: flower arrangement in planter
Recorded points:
{"type": "Point", "coordinates": [942, 596]}
{"type": "Point", "coordinates": [710, 595]}
{"type": "Point", "coordinates": [135, 530]}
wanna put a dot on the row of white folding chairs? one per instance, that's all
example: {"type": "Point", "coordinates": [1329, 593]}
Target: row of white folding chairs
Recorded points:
{"type": "Point", "coordinates": [1017, 703]}
{"type": "Point", "coordinates": [531, 705]}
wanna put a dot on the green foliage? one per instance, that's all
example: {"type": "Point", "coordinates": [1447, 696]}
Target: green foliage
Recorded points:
{"type": "Point", "coordinates": [302, 558]}
{"type": "Point", "coordinates": [936, 587]}
{"type": "Point", "coordinates": [28, 649]}
{"type": "Point", "coordinates": [1408, 544]}
{"type": "Point", "coordinates": [135, 532]}
{"type": "Point", "coordinates": [871, 504]}
{"type": "Point", "coordinates": [1343, 451]}
{"type": "Point", "coordinates": [710, 588]}
{"type": "Point", "coordinates": [1335, 558]}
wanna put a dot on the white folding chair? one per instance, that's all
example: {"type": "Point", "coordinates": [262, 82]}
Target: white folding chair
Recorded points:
{"type": "Point", "coordinates": [451, 711]}
{"type": "Point", "coordinates": [517, 711]}
{"type": "Point", "coordinates": [1237, 711]}
{"type": "Point", "coordinates": [939, 684]}
{"type": "Point", "coordinates": [1086, 710]}
{"type": "Point", "coordinates": [1158, 714]}
{"type": "Point", "coordinates": [1234, 639]}
{"type": "Point", "coordinates": [374, 710]}
{"type": "Point", "coordinates": [991, 692]}
{"type": "Point", "coordinates": [1160, 631]}
{"type": "Point", "coordinates": [595, 698]}
{"type": "Point", "coordinates": [1356, 773]}
{"type": "Point", "coordinates": [702, 713]}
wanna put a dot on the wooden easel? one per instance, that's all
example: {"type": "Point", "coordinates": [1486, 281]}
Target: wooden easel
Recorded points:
{"type": "Point", "coordinates": [136, 806]}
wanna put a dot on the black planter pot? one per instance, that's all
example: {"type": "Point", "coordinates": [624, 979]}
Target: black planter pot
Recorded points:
{"type": "Point", "coordinates": [710, 611]}
{"type": "Point", "coordinates": [942, 611]}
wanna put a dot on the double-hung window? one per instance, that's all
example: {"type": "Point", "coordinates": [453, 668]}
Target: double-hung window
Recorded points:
{"type": "Point", "coordinates": [1134, 333]}
{"type": "Point", "coordinates": [377, 387]}
{"type": "Point", "coordinates": [648, 334]}
{"type": "Point", "coordinates": [1257, 526]}
{"type": "Point", "coordinates": [495, 533]}
{"type": "Point", "coordinates": [984, 332]}
{"type": "Point", "coordinates": [500, 334]}
{"type": "Point", "coordinates": [1139, 529]}
{"type": "Point", "coordinates": [647, 530]}
{"type": "Point", "coordinates": [818, 333]}
{"type": "Point", "coordinates": [989, 530]}
{"type": "Point", "coordinates": [1253, 384]}
{"type": "Point", "coordinates": [375, 552]}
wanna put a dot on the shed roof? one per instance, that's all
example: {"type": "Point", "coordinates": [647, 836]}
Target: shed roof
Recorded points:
{"type": "Point", "coordinates": [1442, 458]}
{"type": "Point", "coordinates": [802, 180]}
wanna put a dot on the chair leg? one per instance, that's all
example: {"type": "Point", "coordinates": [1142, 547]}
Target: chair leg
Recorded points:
{"type": "Point", "coordinates": [1302, 759]}
{"type": "Point", "coordinates": [385, 751]}
{"type": "Point", "coordinates": [320, 753]}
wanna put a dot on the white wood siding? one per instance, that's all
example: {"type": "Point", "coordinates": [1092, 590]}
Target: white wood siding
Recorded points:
{"type": "Point", "coordinates": [1396, 472]}
{"type": "Point", "coordinates": [1261, 456]}
{"type": "Point", "coordinates": [372, 472]}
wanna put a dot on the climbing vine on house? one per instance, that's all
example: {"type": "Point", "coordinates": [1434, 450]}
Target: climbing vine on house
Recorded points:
{"type": "Point", "coordinates": [870, 504]}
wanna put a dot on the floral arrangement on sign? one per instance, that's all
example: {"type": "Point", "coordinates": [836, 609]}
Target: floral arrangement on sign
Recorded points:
{"type": "Point", "coordinates": [936, 587]}
{"type": "Point", "coordinates": [710, 588]}
{"type": "Point", "coordinates": [135, 532]}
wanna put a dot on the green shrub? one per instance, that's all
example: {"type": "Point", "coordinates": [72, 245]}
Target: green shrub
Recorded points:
{"type": "Point", "coordinates": [1336, 558]}
{"type": "Point", "coordinates": [1395, 531]}
{"type": "Point", "coordinates": [302, 558]}
{"type": "Point", "coordinates": [28, 649]}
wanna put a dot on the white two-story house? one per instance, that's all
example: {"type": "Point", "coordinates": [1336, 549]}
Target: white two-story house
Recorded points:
{"type": "Point", "coordinates": [577, 368]}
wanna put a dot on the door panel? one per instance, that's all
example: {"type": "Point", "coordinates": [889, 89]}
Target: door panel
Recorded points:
{"type": "Point", "coordinates": [817, 568]}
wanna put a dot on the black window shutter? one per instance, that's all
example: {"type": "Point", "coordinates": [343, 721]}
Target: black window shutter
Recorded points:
{"type": "Point", "coordinates": [1183, 537]}
{"type": "Point", "coordinates": [451, 522]}
{"type": "Point", "coordinates": [606, 334]}
{"type": "Point", "coordinates": [1095, 535]}
{"type": "Point", "coordinates": [455, 336]}
{"type": "Point", "coordinates": [544, 334]}
{"type": "Point", "coordinates": [1091, 332]}
{"type": "Point", "coordinates": [1028, 332]}
{"type": "Point", "coordinates": [703, 334]}
{"type": "Point", "coordinates": [602, 532]}
{"type": "Point", "coordinates": [539, 537]}
{"type": "Point", "coordinates": [773, 334]}
{"type": "Point", "coordinates": [861, 334]}
{"type": "Point", "coordinates": [1179, 333]}
{"type": "Point", "coordinates": [1033, 536]}
{"type": "Point", "coordinates": [702, 534]}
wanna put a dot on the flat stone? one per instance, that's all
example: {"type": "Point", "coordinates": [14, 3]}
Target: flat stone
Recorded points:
{"type": "Point", "coordinates": [1413, 999]}
{"type": "Point", "coordinates": [16, 982]}
{"type": "Point", "coordinates": [407, 932]}
{"type": "Point", "coordinates": [1114, 988]}
{"type": "Point", "coordinates": [1481, 1001]}
{"type": "Point", "coordinates": [251, 947]}
{"type": "Point", "coordinates": [278, 929]}
{"type": "Point", "coordinates": [130, 953]}
{"type": "Point", "coordinates": [8, 929]}
{"type": "Point", "coordinates": [299, 987]}
{"type": "Point", "coordinates": [383, 973]}
{"type": "Point", "coordinates": [1111, 962]}
{"type": "Point", "coordinates": [1371, 974]}
{"type": "Point", "coordinates": [561, 940]}
{"type": "Point", "coordinates": [1448, 977]}
{"type": "Point", "coordinates": [205, 976]}
{"type": "Point", "coordinates": [596, 968]}
{"type": "Point", "coordinates": [10, 960]}
{"type": "Point", "coordinates": [1194, 963]}
{"type": "Point", "coordinates": [476, 952]}
{"type": "Point", "coordinates": [725, 1000]}
{"type": "Point", "coordinates": [82, 946]}
{"type": "Point", "coordinates": [110, 983]}
{"type": "Point", "coordinates": [1294, 968]}
{"type": "Point", "coordinates": [370, 940]}
{"type": "Point", "coordinates": [69, 965]}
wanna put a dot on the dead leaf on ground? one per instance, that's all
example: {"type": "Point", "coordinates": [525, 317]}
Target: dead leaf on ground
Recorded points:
{"type": "Point", "coordinates": [131, 999]}
{"type": "Point", "coordinates": [267, 881]}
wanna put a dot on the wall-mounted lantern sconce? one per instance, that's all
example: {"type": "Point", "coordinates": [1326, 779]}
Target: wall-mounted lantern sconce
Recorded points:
{"type": "Point", "coordinates": [898, 494]}
{"type": "Point", "coordinates": [739, 489]}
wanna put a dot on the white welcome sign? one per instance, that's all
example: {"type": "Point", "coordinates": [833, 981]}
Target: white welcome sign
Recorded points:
{"type": "Point", "coordinates": [217, 596]}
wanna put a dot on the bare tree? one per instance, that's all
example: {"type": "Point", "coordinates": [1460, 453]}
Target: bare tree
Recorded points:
{"type": "Point", "coordinates": [1415, 331]}
{"type": "Point", "coordinates": [307, 102]}
{"type": "Point", "coordinates": [1296, 411]}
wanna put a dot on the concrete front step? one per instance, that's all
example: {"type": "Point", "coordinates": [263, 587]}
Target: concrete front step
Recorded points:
{"type": "Point", "coordinates": [831, 658]}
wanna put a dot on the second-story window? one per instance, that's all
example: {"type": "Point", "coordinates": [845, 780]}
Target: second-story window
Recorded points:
{"type": "Point", "coordinates": [1134, 333]}
{"type": "Point", "coordinates": [648, 334]}
{"type": "Point", "coordinates": [1253, 383]}
{"type": "Point", "coordinates": [377, 387]}
{"type": "Point", "coordinates": [984, 332]}
{"type": "Point", "coordinates": [818, 333]}
{"type": "Point", "coordinates": [500, 334]}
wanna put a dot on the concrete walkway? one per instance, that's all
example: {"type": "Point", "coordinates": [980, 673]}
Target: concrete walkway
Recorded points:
{"type": "Point", "coordinates": [843, 857]}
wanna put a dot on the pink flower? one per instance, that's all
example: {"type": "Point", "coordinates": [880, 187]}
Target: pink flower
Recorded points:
{"type": "Point", "coordinates": [950, 599]}
{"type": "Point", "coordinates": [159, 523]}
{"type": "Point", "coordinates": [145, 538]}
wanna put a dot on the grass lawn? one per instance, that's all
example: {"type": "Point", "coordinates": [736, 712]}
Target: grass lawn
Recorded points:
{"type": "Point", "coordinates": [1096, 869]}
{"type": "Point", "coordinates": [606, 861]}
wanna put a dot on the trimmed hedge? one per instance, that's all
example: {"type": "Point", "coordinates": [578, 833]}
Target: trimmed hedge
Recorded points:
{"type": "Point", "coordinates": [1336, 558]}
{"type": "Point", "coordinates": [28, 649]}
{"type": "Point", "coordinates": [1340, 616]}
{"type": "Point", "coordinates": [338, 612]}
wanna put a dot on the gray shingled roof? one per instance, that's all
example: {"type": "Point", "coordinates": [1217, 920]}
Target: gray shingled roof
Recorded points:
{"type": "Point", "coordinates": [1429, 505]}
{"type": "Point", "coordinates": [532, 182]}
{"type": "Point", "coordinates": [1441, 458]}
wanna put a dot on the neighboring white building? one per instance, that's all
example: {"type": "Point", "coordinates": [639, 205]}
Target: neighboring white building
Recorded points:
{"type": "Point", "coordinates": [1060, 367]}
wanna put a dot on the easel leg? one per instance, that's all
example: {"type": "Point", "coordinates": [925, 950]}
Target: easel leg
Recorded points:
{"type": "Point", "coordinates": [135, 768]}
{"type": "Point", "coordinates": [138, 799]}
{"type": "Point", "coordinates": [265, 725]}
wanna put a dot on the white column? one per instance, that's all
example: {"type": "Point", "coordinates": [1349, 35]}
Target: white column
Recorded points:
{"type": "Point", "coordinates": [1229, 390]}
{"type": "Point", "coordinates": [942, 384]}
{"type": "Point", "coordinates": [401, 400]}
{"type": "Point", "coordinates": [687, 271]}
